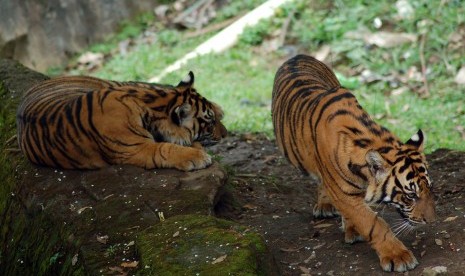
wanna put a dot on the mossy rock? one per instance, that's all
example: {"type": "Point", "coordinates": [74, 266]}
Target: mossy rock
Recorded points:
{"type": "Point", "coordinates": [202, 245]}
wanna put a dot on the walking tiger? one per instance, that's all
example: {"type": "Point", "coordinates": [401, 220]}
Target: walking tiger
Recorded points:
{"type": "Point", "coordinates": [321, 128]}
{"type": "Point", "coordinates": [89, 123]}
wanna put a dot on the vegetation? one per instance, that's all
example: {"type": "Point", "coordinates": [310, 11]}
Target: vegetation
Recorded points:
{"type": "Point", "coordinates": [404, 87]}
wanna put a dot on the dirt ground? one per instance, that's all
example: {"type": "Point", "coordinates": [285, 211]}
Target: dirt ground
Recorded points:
{"type": "Point", "coordinates": [270, 196]}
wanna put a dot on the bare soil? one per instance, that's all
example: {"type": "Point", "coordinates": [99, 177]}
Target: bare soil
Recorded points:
{"type": "Point", "coordinates": [270, 196]}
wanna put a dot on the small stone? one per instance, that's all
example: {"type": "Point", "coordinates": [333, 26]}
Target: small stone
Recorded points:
{"type": "Point", "coordinates": [438, 242]}
{"type": "Point", "coordinates": [433, 271]}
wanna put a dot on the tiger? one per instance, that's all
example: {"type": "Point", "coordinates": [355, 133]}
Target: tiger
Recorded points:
{"type": "Point", "coordinates": [321, 129]}
{"type": "Point", "coordinates": [83, 122]}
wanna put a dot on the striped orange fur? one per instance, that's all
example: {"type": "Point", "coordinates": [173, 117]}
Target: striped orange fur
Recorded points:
{"type": "Point", "coordinates": [89, 123]}
{"type": "Point", "coordinates": [321, 128]}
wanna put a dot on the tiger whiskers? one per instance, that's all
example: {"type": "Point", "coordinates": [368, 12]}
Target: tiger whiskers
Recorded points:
{"type": "Point", "coordinates": [402, 227]}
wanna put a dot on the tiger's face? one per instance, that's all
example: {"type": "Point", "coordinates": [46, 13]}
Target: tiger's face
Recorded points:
{"type": "Point", "coordinates": [192, 118]}
{"type": "Point", "coordinates": [406, 184]}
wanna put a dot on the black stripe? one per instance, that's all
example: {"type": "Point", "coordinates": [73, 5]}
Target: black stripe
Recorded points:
{"type": "Point", "coordinates": [357, 170]}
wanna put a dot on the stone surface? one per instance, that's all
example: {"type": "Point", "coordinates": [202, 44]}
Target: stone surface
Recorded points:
{"type": "Point", "coordinates": [45, 33]}
{"type": "Point", "coordinates": [61, 222]}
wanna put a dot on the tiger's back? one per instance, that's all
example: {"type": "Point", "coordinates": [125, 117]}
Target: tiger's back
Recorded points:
{"type": "Point", "coordinates": [88, 123]}
{"type": "Point", "coordinates": [321, 128]}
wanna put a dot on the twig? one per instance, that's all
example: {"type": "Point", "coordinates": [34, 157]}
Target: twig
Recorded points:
{"type": "Point", "coordinates": [212, 28]}
{"type": "Point", "coordinates": [285, 28]}
{"type": "Point", "coordinates": [423, 66]}
{"type": "Point", "coordinates": [12, 150]}
{"type": "Point", "coordinates": [11, 139]}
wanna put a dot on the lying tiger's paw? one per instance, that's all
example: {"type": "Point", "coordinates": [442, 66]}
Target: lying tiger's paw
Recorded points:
{"type": "Point", "coordinates": [398, 260]}
{"type": "Point", "coordinates": [324, 210]}
{"type": "Point", "coordinates": [193, 159]}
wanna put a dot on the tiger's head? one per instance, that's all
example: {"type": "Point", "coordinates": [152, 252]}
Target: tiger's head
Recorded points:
{"type": "Point", "coordinates": [191, 118]}
{"type": "Point", "coordinates": [402, 180]}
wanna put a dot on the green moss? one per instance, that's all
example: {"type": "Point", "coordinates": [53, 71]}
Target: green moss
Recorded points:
{"type": "Point", "coordinates": [190, 244]}
{"type": "Point", "coordinates": [29, 243]}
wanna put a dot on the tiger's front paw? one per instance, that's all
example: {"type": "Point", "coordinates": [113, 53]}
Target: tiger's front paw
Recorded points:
{"type": "Point", "coordinates": [398, 260]}
{"type": "Point", "coordinates": [193, 159]}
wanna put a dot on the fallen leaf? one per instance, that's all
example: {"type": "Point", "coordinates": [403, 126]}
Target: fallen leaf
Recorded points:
{"type": "Point", "coordinates": [322, 225]}
{"type": "Point", "coordinates": [404, 9]}
{"type": "Point", "coordinates": [460, 77]}
{"type": "Point", "coordinates": [117, 269]}
{"type": "Point", "coordinates": [220, 259]}
{"type": "Point", "coordinates": [74, 260]}
{"type": "Point", "coordinates": [319, 246]}
{"type": "Point", "coordinates": [450, 219]}
{"type": "Point", "coordinates": [102, 239]}
{"type": "Point", "coordinates": [312, 256]}
{"type": "Point", "coordinates": [129, 264]}
{"type": "Point", "coordinates": [304, 270]}
{"type": "Point", "coordinates": [381, 39]}
{"type": "Point", "coordinates": [176, 234]}
{"type": "Point", "coordinates": [249, 206]}
{"type": "Point", "coordinates": [131, 243]}
{"type": "Point", "coordinates": [291, 249]}
{"type": "Point", "coordinates": [83, 209]}
{"type": "Point", "coordinates": [322, 53]}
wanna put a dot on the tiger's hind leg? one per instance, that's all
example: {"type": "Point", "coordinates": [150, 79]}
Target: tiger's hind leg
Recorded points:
{"type": "Point", "coordinates": [324, 207]}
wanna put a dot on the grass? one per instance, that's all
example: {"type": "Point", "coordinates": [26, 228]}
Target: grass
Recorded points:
{"type": "Point", "coordinates": [241, 79]}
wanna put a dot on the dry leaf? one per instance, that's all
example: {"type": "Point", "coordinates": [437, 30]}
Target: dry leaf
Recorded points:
{"type": "Point", "coordinates": [249, 206]}
{"type": "Point", "coordinates": [291, 249]}
{"type": "Point", "coordinates": [83, 209]}
{"type": "Point", "coordinates": [382, 39]}
{"type": "Point", "coordinates": [176, 234]}
{"type": "Point", "coordinates": [102, 239]}
{"type": "Point", "coordinates": [322, 225]}
{"type": "Point", "coordinates": [304, 270]}
{"type": "Point", "coordinates": [460, 77]}
{"type": "Point", "coordinates": [404, 9]}
{"type": "Point", "coordinates": [129, 264]}
{"type": "Point", "coordinates": [220, 259]}
{"type": "Point", "coordinates": [131, 243]}
{"type": "Point", "coordinates": [322, 53]}
{"type": "Point", "coordinates": [117, 269]}
{"type": "Point", "coordinates": [74, 260]}
{"type": "Point", "coordinates": [450, 219]}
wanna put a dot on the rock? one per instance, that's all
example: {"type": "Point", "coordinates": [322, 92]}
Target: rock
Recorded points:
{"type": "Point", "coordinates": [433, 271]}
{"type": "Point", "coordinates": [204, 246]}
{"type": "Point", "coordinates": [63, 222]}
{"type": "Point", "coordinates": [27, 28]}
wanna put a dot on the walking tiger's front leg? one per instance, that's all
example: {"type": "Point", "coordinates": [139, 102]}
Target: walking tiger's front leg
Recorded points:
{"type": "Point", "coordinates": [167, 155]}
{"type": "Point", "coordinates": [359, 218]}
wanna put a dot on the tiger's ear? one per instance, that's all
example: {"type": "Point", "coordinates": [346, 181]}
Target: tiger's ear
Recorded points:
{"type": "Point", "coordinates": [180, 113]}
{"type": "Point", "coordinates": [417, 140]}
{"type": "Point", "coordinates": [377, 165]}
{"type": "Point", "coordinates": [188, 80]}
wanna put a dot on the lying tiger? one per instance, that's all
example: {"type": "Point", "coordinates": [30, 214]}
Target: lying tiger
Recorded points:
{"type": "Point", "coordinates": [321, 128]}
{"type": "Point", "coordinates": [90, 123]}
